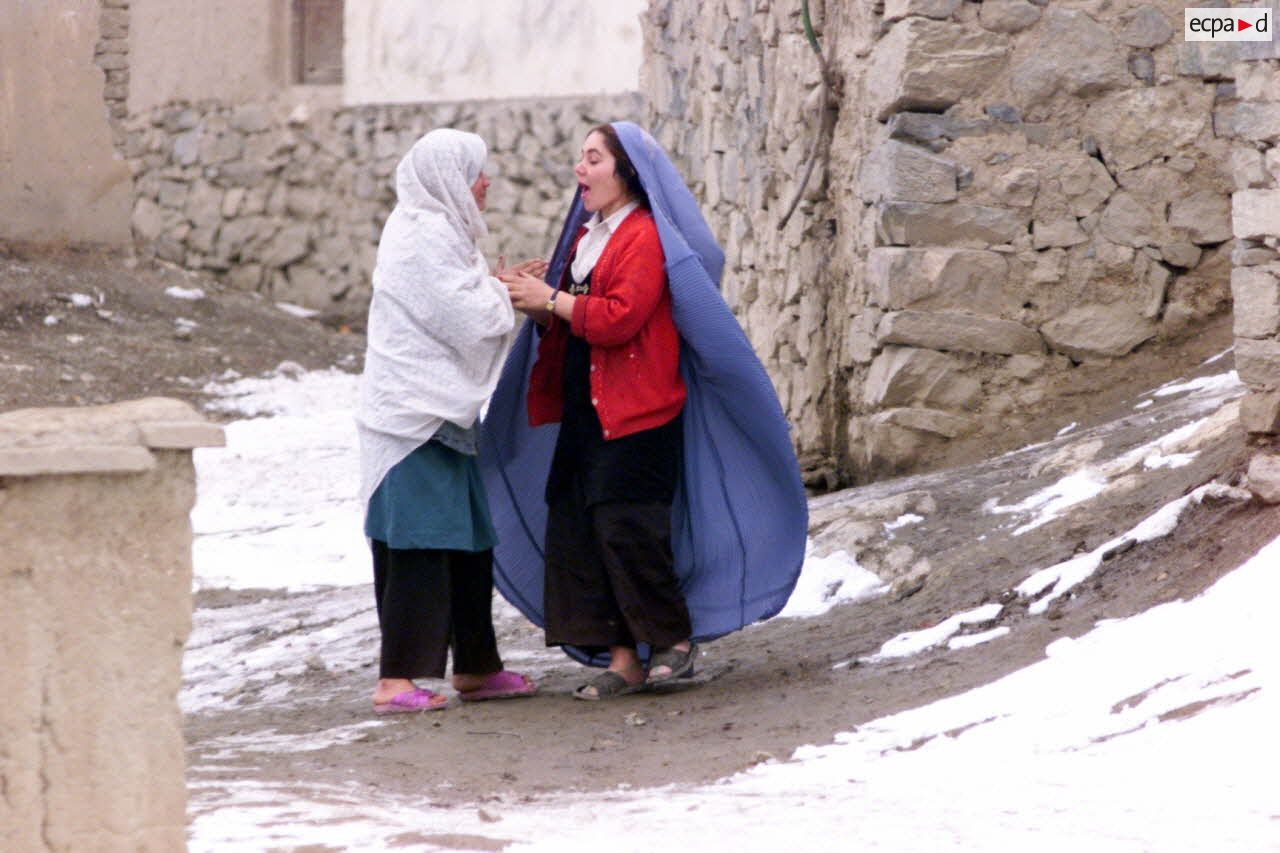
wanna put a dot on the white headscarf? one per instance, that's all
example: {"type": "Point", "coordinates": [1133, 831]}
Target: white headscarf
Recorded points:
{"type": "Point", "coordinates": [439, 324]}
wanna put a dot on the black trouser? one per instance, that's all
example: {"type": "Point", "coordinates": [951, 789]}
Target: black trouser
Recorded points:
{"type": "Point", "coordinates": [430, 601]}
{"type": "Point", "coordinates": [609, 577]}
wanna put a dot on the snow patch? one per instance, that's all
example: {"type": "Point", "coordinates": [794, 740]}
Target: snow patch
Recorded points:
{"type": "Point", "coordinates": [914, 642]}
{"type": "Point", "coordinates": [192, 294]}
{"type": "Point", "coordinates": [827, 581]}
{"type": "Point", "coordinates": [297, 310]}
{"type": "Point", "coordinates": [1077, 487]}
{"type": "Point", "coordinates": [1059, 579]}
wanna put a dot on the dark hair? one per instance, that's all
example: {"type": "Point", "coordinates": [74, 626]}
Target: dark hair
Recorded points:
{"type": "Point", "coordinates": [623, 167]}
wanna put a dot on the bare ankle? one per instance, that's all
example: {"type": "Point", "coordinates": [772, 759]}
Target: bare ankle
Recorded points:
{"type": "Point", "coordinates": [388, 688]}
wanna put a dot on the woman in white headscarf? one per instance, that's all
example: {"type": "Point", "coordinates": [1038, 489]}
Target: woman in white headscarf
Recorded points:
{"type": "Point", "coordinates": [439, 329]}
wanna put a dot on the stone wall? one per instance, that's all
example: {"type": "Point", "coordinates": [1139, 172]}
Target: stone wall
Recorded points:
{"type": "Point", "coordinates": [292, 204]}
{"type": "Point", "coordinates": [1254, 122]}
{"type": "Point", "coordinates": [95, 576]}
{"type": "Point", "coordinates": [1000, 191]}
{"type": "Point", "coordinates": [281, 189]}
{"type": "Point", "coordinates": [1011, 188]}
{"type": "Point", "coordinates": [735, 97]}
{"type": "Point", "coordinates": [1255, 281]}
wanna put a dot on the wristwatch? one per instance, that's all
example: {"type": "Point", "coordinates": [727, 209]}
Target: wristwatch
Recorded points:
{"type": "Point", "coordinates": [551, 303]}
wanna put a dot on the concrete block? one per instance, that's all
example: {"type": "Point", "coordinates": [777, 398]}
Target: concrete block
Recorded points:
{"type": "Point", "coordinates": [182, 435]}
{"type": "Point", "coordinates": [96, 574]}
{"type": "Point", "coordinates": [39, 461]}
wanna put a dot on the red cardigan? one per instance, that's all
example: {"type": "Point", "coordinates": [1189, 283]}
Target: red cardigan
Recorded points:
{"type": "Point", "coordinates": [635, 348]}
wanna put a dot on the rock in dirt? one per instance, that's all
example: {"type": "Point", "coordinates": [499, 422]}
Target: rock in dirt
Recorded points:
{"type": "Point", "coordinates": [1264, 477]}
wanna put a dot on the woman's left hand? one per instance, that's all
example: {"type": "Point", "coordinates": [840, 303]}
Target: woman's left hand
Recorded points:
{"type": "Point", "coordinates": [528, 294]}
{"type": "Point", "coordinates": [534, 266]}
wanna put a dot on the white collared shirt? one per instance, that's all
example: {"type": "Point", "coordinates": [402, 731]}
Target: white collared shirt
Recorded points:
{"type": "Point", "coordinates": [597, 237]}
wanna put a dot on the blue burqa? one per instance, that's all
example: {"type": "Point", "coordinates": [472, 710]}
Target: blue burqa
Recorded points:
{"type": "Point", "coordinates": [739, 517]}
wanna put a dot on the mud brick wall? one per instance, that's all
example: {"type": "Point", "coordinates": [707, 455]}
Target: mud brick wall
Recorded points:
{"type": "Point", "coordinates": [1011, 188]}
{"type": "Point", "coordinates": [95, 576]}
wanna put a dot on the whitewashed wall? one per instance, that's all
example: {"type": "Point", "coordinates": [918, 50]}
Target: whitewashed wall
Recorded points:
{"type": "Point", "coordinates": [402, 51]}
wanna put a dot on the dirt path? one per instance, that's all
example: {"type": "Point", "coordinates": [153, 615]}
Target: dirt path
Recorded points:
{"type": "Point", "coordinates": [761, 692]}
{"type": "Point", "coordinates": [767, 690]}
{"type": "Point", "coordinates": [80, 327]}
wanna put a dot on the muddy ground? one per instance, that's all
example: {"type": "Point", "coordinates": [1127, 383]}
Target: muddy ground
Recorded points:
{"type": "Point", "coordinates": [81, 327]}
{"type": "Point", "coordinates": [760, 693]}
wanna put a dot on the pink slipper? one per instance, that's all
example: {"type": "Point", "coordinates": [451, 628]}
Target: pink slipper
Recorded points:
{"type": "Point", "coordinates": [411, 701]}
{"type": "Point", "coordinates": [500, 685]}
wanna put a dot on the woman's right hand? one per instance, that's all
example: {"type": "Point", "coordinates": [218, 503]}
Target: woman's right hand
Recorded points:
{"type": "Point", "coordinates": [528, 293]}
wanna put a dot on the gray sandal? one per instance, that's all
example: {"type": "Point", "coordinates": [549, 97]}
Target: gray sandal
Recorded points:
{"type": "Point", "coordinates": [607, 685]}
{"type": "Point", "coordinates": [679, 662]}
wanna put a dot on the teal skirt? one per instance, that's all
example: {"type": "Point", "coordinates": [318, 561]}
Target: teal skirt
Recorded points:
{"type": "Point", "coordinates": [434, 499]}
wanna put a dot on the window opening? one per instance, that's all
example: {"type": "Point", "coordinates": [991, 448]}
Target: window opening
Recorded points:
{"type": "Point", "coordinates": [317, 42]}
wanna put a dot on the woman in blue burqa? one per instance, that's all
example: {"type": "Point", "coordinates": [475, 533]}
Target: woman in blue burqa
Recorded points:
{"type": "Point", "coordinates": [640, 473]}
